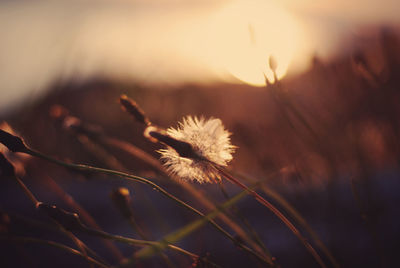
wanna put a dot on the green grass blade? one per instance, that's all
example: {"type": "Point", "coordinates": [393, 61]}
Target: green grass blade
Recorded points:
{"type": "Point", "coordinates": [188, 229]}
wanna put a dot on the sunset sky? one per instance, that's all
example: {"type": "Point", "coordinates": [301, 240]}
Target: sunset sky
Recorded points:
{"type": "Point", "coordinates": [162, 41]}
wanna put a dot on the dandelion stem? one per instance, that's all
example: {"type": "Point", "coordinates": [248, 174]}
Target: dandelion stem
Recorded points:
{"type": "Point", "coordinates": [79, 243]}
{"type": "Point", "coordinates": [58, 228]}
{"type": "Point", "coordinates": [136, 242]}
{"type": "Point", "coordinates": [27, 192]}
{"type": "Point", "coordinates": [84, 214]}
{"type": "Point", "coordinates": [53, 244]}
{"type": "Point", "coordinates": [274, 210]}
{"type": "Point", "coordinates": [37, 203]}
{"type": "Point", "coordinates": [151, 184]}
{"type": "Point", "coordinates": [252, 232]}
{"type": "Point", "coordinates": [297, 217]}
{"type": "Point", "coordinates": [100, 138]}
{"type": "Point", "coordinates": [141, 155]}
{"type": "Point", "coordinates": [189, 228]}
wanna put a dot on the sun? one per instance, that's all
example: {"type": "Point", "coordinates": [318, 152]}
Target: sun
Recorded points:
{"type": "Point", "coordinates": [249, 33]}
{"type": "Point", "coordinates": [238, 39]}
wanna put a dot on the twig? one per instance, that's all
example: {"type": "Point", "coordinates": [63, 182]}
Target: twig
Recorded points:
{"type": "Point", "coordinates": [21, 147]}
{"type": "Point", "coordinates": [274, 210]}
{"type": "Point", "coordinates": [53, 244]}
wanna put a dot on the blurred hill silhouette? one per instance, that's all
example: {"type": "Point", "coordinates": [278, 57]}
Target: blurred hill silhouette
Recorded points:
{"type": "Point", "coordinates": [335, 124]}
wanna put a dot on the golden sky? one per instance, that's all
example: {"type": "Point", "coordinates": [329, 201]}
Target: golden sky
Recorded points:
{"type": "Point", "coordinates": [164, 41]}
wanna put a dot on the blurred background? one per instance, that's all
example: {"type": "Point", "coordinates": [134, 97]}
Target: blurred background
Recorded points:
{"type": "Point", "coordinates": [323, 131]}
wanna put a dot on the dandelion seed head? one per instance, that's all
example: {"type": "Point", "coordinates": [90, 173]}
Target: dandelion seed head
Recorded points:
{"type": "Point", "coordinates": [209, 140]}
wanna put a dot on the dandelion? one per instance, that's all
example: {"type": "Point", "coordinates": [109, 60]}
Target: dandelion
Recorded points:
{"type": "Point", "coordinates": [198, 150]}
{"type": "Point", "coordinates": [209, 145]}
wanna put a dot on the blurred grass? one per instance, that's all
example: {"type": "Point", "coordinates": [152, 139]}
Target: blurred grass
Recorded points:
{"type": "Point", "coordinates": [351, 103]}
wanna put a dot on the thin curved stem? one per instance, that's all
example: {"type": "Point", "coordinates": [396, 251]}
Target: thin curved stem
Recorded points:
{"type": "Point", "coordinates": [137, 242]}
{"type": "Point", "coordinates": [252, 232]}
{"type": "Point", "coordinates": [143, 156]}
{"type": "Point", "coordinates": [27, 192]}
{"type": "Point", "coordinates": [36, 203]}
{"type": "Point", "coordinates": [130, 177]}
{"type": "Point", "coordinates": [302, 221]}
{"type": "Point", "coordinates": [274, 210]}
{"type": "Point", "coordinates": [84, 214]}
{"type": "Point", "coordinates": [295, 214]}
{"type": "Point", "coordinates": [56, 245]}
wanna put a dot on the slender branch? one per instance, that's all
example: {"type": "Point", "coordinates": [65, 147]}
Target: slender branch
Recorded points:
{"type": "Point", "coordinates": [97, 136]}
{"type": "Point", "coordinates": [27, 192]}
{"type": "Point", "coordinates": [10, 172]}
{"type": "Point", "coordinates": [274, 210]}
{"type": "Point", "coordinates": [151, 184]}
{"type": "Point", "coordinates": [252, 232]}
{"type": "Point", "coordinates": [189, 228]}
{"type": "Point", "coordinates": [85, 215]}
{"type": "Point", "coordinates": [149, 159]}
{"type": "Point", "coordinates": [53, 244]}
{"type": "Point", "coordinates": [138, 242]}
{"type": "Point", "coordinates": [122, 200]}
{"type": "Point", "coordinates": [296, 216]}
{"type": "Point", "coordinates": [55, 228]}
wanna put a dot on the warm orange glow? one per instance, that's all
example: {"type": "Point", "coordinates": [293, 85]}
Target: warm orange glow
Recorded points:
{"type": "Point", "coordinates": [153, 42]}
{"type": "Point", "coordinates": [239, 38]}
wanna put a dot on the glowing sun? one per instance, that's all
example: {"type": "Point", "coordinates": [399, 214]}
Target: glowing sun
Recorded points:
{"type": "Point", "coordinates": [239, 38]}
